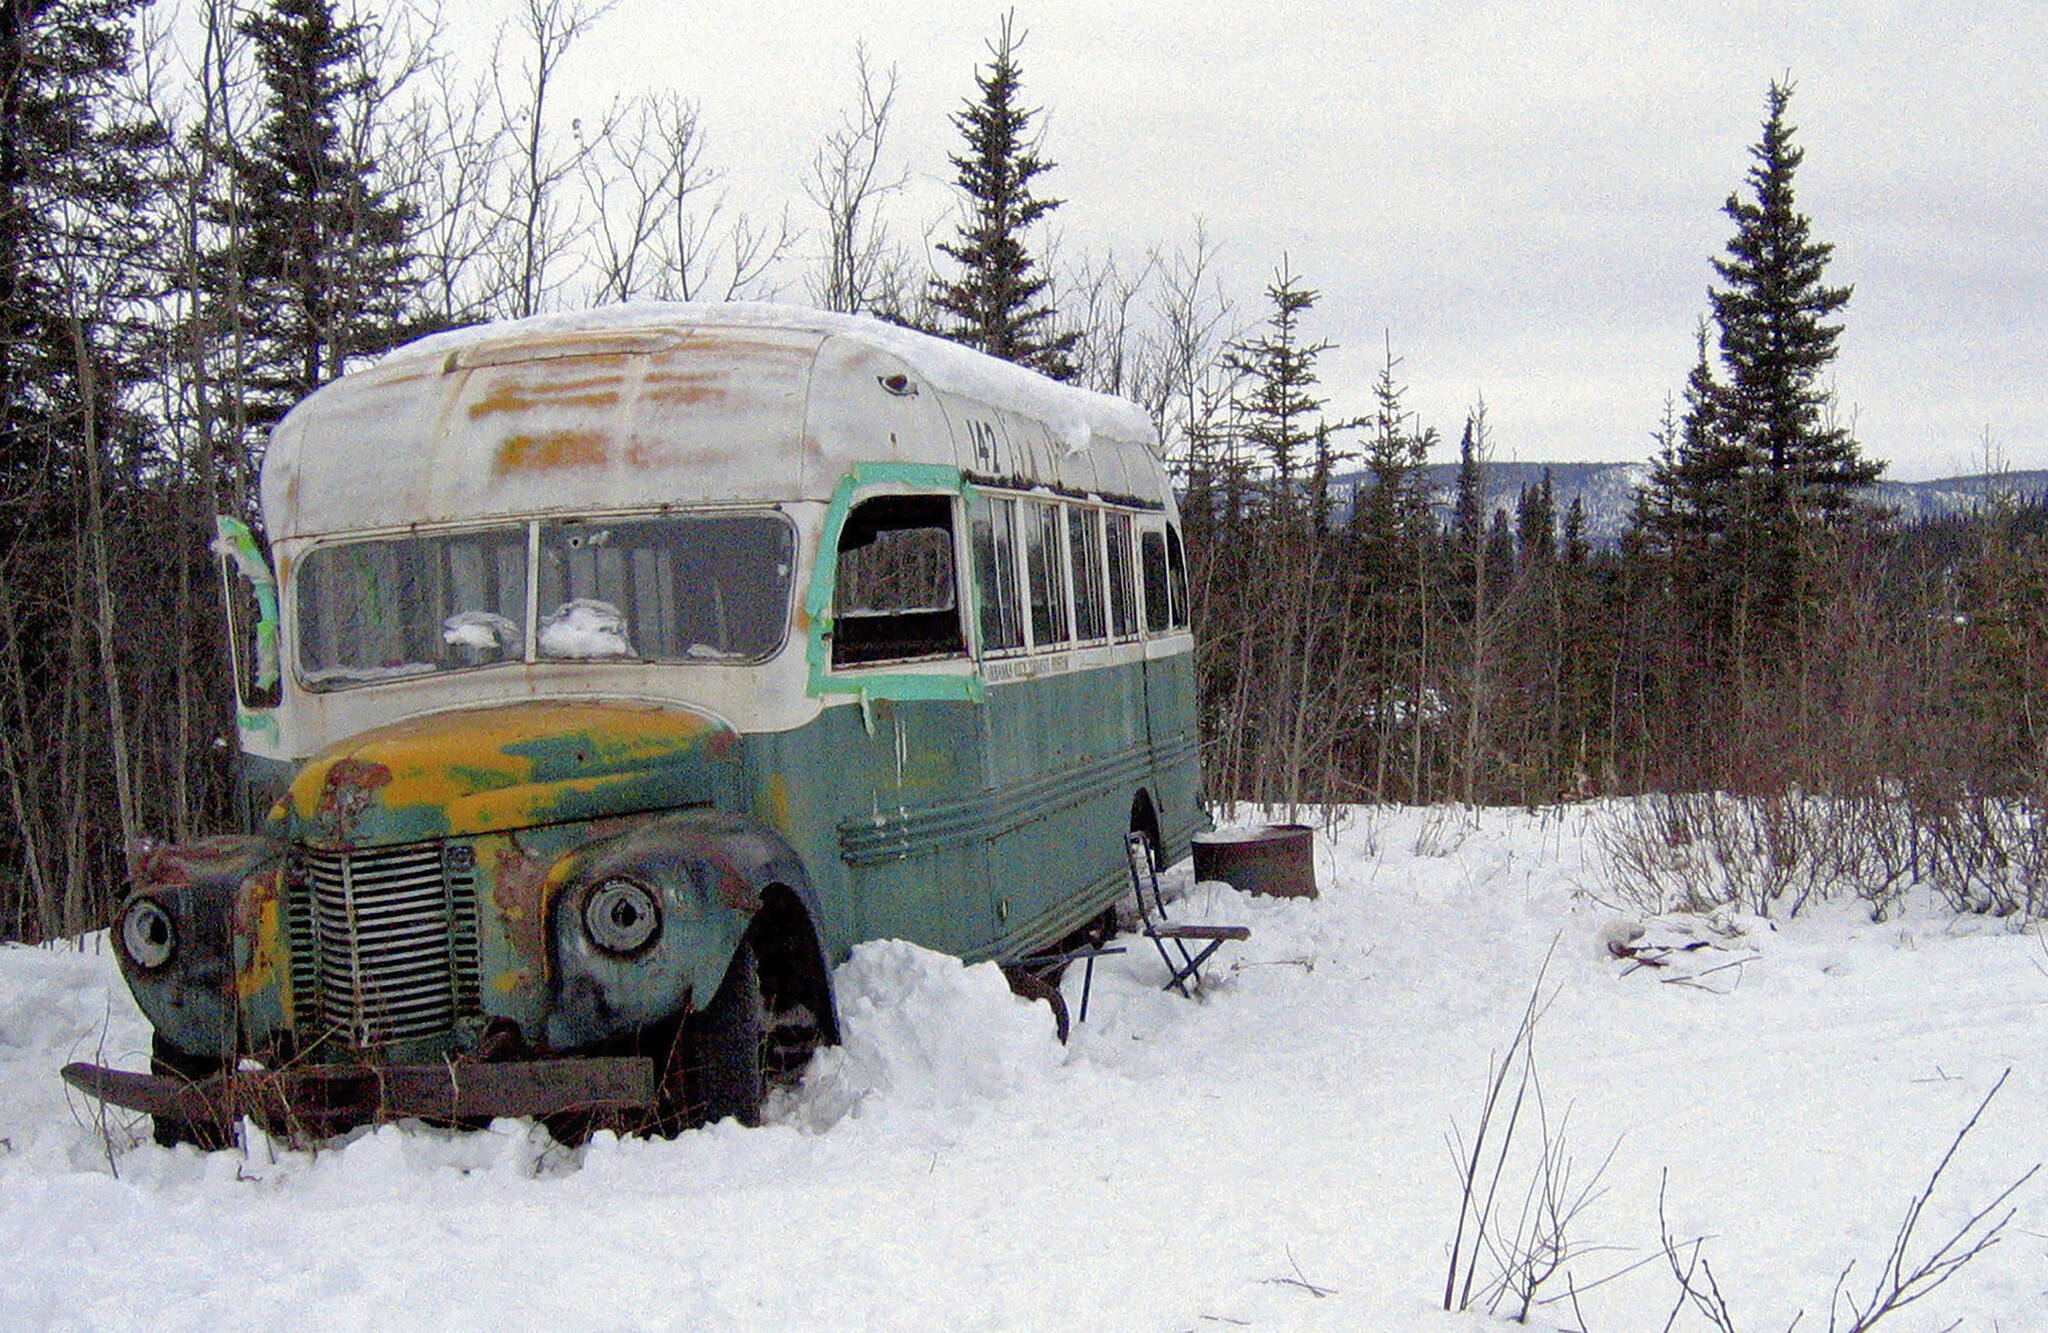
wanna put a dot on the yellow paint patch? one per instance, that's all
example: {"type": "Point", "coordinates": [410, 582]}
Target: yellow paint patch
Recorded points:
{"type": "Point", "coordinates": [507, 982]}
{"type": "Point", "coordinates": [261, 974]}
{"type": "Point", "coordinates": [450, 758]}
{"type": "Point", "coordinates": [552, 451]}
{"type": "Point", "coordinates": [777, 802]}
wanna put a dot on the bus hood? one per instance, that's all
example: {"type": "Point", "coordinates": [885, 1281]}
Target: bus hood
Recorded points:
{"type": "Point", "coordinates": [492, 770]}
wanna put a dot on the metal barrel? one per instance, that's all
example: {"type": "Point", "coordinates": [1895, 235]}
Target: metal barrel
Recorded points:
{"type": "Point", "coordinates": [1276, 859]}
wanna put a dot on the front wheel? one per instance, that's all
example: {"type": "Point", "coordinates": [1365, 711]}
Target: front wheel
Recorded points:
{"type": "Point", "coordinates": [169, 1132]}
{"type": "Point", "coordinates": [726, 1045]}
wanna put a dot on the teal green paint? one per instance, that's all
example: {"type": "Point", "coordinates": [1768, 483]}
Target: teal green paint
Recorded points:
{"type": "Point", "coordinates": [983, 830]}
{"type": "Point", "coordinates": [1068, 755]}
{"type": "Point", "coordinates": [238, 544]}
{"type": "Point", "coordinates": [926, 686]}
{"type": "Point", "coordinates": [258, 722]}
{"type": "Point", "coordinates": [1024, 798]}
{"type": "Point", "coordinates": [481, 779]}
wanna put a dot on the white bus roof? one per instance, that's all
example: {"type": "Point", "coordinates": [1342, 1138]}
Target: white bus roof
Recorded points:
{"type": "Point", "coordinates": [652, 404]}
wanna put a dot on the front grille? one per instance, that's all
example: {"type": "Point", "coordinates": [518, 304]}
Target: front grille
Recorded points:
{"type": "Point", "coordinates": [383, 943]}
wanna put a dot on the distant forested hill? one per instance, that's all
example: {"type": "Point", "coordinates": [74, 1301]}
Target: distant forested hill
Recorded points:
{"type": "Point", "coordinates": [1608, 491]}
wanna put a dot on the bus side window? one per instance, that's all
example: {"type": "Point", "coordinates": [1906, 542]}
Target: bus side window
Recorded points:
{"type": "Point", "coordinates": [1177, 577]}
{"type": "Point", "coordinates": [1123, 594]}
{"type": "Point", "coordinates": [893, 596]}
{"type": "Point", "coordinates": [1084, 541]}
{"type": "Point", "coordinates": [1152, 560]}
{"type": "Point", "coordinates": [1047, 575]}
{"type": "Point", "coordinates": [995, 573]}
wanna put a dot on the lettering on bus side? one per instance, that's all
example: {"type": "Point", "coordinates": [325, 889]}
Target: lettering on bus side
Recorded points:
{"type": "Point", "coordinates": [1026, 668]}
{"type": "Point", "coordinates": [983, 440]}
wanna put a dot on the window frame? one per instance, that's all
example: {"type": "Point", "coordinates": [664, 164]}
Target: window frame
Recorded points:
{"type": "Point", "coordinates": [960, 645]}
{"type": "Point", "coordinates": [530, 529]}
{"type": "Point", "coordinates": [1089, 520]}
{"type": "Point", "coordinates": [1048, 520]}
{"type": "Point", "coordinates": [1006, 569]}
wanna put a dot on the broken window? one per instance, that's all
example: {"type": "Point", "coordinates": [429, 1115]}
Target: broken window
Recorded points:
{"type": "Point", "coordinates": [893, 592]}
{"type": "Point", "coordinates": [1177, 577]}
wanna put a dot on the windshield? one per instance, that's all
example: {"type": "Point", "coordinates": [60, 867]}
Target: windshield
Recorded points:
{"type": "Point", "coordinates": [693, 588]}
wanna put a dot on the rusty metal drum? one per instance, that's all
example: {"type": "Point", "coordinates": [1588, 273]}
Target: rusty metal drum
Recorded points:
{"type": "Point", "coordinates": [1277, 860]}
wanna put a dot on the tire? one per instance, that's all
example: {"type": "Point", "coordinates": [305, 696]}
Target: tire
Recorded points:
{"type": "Point", "coordinates": [206, 1135]}
{"type": "Point", "coordinates": [726, 1043]}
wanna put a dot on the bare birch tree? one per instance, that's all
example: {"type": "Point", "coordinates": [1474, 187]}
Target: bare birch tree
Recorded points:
{"type": "Point", "coordinates": [847, 185]}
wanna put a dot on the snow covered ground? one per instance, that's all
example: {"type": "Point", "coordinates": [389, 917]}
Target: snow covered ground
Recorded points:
{"type": "Point", "coordinates": [1271, 1156]}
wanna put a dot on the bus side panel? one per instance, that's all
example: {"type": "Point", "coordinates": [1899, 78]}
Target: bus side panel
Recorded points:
{"type": "Point", "coordinates": [1176, 752]}
{"type": "Point", "coordinates": [1067, 754]}
{"type": "Point", "coordinates": [886, 805]}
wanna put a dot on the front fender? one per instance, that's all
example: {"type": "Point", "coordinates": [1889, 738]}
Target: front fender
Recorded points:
{"type": "Point", "coordinates": [710, 873]}
{"type": "Point", "coordinates": [207, 888]}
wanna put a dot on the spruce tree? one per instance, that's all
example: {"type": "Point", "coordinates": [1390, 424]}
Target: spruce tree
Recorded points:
{"type": "Point", "coordinates": [75, 181]}
{"type": "Point", "coordinates": [1577, 550]}
{"type": "Point", "coordinates": [324, 255]}
{"type": "Point", "coordinates": [1277, 401]}
{"type": "Point", "coordinates": [83, 463]}
{"type": "Point", "coordinates": [1536, 522]}
{"type": "Point", "coordinates": [1468, 504]}
{"type": "Point", "coordinates": [1776, 339]}
{"type": "Point", "coordinates": [1392, 510]}
{"type": "Point", "coordinates": [1467, 545]}
{"type": "Point", "coordinates": [1500, 557]}
{"type": "Point", "coordinates": [1757, 460]}
{"type": "Point", "coordinates": [996, 304]}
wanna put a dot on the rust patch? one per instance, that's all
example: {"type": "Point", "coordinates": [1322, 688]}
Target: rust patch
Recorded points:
{"type": "Point", "coordinates": [350, 789]}
{"type": "Point", "coordinates": [257, 893]}
{"type": "Point", "coordinates": [258, 912]}
{"type": "Point", "coordinates": [432, 371]}
{"type": "Point", "coordinates": [742, 345]}
{"type": "Point", "coordinates": [519, 883]}
{"type": "Point", "coordinates": [685, 388]}
{"type": "Point", "coordinates": [591, 394]}
{"type": "Point", "coordinates": [551, 451]}
{"type": "Point", "coordinates": [179, 865]}
{"type": "Point", "coordinates": [519, 893]}
{"type": "Point", "coordinates": [735, 892]}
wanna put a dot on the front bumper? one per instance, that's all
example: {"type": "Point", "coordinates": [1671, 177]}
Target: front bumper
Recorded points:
{"type": "Point", "coordinates": [326, 1099]}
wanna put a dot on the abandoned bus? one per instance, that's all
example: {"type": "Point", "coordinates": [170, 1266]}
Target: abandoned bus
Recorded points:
{"type": "Point", "coordinates": [609, 677]}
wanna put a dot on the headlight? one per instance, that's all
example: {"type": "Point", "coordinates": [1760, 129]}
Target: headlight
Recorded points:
{"type": "Point", "coordinates": [147, 936]}
{"type": "Point", "coordinates": [621, 917]}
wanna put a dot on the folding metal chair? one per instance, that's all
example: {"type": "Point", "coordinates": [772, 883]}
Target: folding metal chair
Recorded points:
{"type": "Point", "coordinates": [1153, 923]}
{"type": "Point", "coordinates": [1037, 976]}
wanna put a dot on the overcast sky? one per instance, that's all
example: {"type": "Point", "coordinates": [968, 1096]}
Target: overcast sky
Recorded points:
{"type": "Point", "coordinates": [1523, 198]}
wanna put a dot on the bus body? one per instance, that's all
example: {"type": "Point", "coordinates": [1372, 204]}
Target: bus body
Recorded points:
{"type": "Point", "coordinates": [609, 677]}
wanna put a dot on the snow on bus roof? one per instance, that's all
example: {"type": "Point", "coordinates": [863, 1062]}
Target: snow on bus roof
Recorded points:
{"type": "Point", "coordinates": [1074, 415]}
